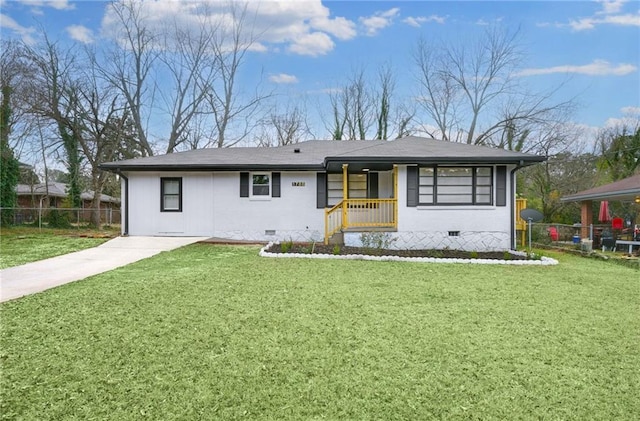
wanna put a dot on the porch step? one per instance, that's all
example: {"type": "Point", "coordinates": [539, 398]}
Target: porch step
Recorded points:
{"type": "Point", "coordinates": [337, 238]}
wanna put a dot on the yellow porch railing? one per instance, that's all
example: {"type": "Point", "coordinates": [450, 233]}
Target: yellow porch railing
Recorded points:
{"type": "Point", "coordinates": [361, 213]}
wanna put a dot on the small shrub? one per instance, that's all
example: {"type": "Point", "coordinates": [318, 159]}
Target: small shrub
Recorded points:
{"type": "Point", "coordinates": [57, 219]}
{"type": "Point", "coordinates": [507, 256]}
{"type": "Point", "coordinates": [286, 246]}
{"type": "Point", "coordinates": [473, 255]}
{"type": "Point", "coordinates": [376, 240]}
{"type": "Point", "coordinates": [336, 250]}
{"type": "Point", "coordinates": [310, 248]}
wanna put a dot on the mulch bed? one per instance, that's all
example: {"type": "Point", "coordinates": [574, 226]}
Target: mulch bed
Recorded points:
{"type": "Point", "coordinates": [319, 248]}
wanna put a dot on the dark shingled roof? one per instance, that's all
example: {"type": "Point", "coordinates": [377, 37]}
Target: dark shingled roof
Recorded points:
{"type": "Point", "coordinates": [625, 189]}
{"type": "Point", "coordinates": [321, 154]}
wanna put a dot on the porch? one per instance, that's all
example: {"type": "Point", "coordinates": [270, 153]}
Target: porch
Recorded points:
{"type": "Point", "coordinates": [362, 213]}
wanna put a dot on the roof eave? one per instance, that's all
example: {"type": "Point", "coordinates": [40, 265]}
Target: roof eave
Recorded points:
{"type": "Point", "coordinates": [522, 161]}
{"type": "Point", "coordinates": [199, 168]}
{"type": "Point", "coordinates": [618, 195]}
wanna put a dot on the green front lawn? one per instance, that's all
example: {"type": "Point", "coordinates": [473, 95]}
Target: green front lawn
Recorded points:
{"type": "Point", "coordinates": [22, 245]}
{"type": "Point", "coordinates": [216, 332]}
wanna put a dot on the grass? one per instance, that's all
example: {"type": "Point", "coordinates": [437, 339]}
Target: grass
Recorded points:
{"type": "Point", "coordinates": [20, 245]}
{"type": "Point", "coordinates": [215, 332]}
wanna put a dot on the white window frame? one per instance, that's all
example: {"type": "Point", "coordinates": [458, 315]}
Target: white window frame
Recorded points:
{"type": "Point", "coordinates": [266, 196]}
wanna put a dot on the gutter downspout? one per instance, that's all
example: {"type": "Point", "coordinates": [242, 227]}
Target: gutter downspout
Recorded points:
{"type": "Point", "coordinates": [125, 222]}
{"type": "Point", "coordinates": [512, 179]}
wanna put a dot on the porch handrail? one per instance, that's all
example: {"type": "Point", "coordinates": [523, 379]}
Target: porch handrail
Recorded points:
{"type": "Point", "coordinates": [361, 213]}
{"type": "Point", "coordinates": [332, 220]}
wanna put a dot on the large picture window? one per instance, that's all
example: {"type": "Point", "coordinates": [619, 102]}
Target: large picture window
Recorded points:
{"type": "Point", "coordinates": [171, 194]}
{"type": "Point", "coordinates": [455, 186]}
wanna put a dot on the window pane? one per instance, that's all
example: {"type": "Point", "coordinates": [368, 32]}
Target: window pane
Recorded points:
{"type": "Point", "coordinates": [426, 172]}
{"type": "Point", "coordinates": [426, 198]}
{"type": "Point", "coordinates": [483, 172]}
{"type": "Point", "coordinates": [260, 179]}
{"type": "Point", "coordinates": [426, 181]}
{"type": "Point", "coordinates": [483, 190]}
{"type": "Point", "coordinates": [483, 198]}
{"type": "Point", "coordinates": [171, 202]}
{"type": "Point", "coordinates": [454, 172]}
{"type": "Point", "coordinates": [456, 190]}
{"type": "Point", "coordinates": [171, 186]}
{"type": "Point", "coordinates": [426, 190]}
{"type": "Point", "coordinates": [453, 198]}
{"type": "Point", "coordinates": [261, 190]}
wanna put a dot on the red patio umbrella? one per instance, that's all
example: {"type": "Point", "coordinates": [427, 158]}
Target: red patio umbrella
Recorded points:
{"type": "Point", "coordinates": [604, 215]}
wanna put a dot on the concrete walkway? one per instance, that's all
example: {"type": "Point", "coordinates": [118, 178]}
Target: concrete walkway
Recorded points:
{"type": "Point", "coordinates": [38, 276]}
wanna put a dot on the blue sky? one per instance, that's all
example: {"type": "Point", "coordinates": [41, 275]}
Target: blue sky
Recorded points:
{"type": "Point", "coordinates": [591, 48]}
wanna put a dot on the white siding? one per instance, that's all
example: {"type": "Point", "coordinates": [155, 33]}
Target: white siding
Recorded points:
{"type": "Point", "coordinates": [145, 217]}
{"type": "Point", "coordinates": [212, 206]}
{"type": "Point", "coordinates": [291, 216]}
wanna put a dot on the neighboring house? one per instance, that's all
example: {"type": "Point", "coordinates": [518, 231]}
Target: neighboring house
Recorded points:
{"type": "Point", "coordinates": [53, 194]}
{"type": "Point", "coordinates": [425, 193]}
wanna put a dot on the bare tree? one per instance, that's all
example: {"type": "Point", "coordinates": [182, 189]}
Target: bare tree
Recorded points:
{"type": "Point", "coordinates": [53, 97]}
{"type": "Point", "coordinates": [233, 109]}
{"type": "Point", "coordinates": [471, 92]}
{"type": "Point", "coordinates": [16, 74]}
{"type": "Point", "coordinates": [104, 121]}
{"type": "Point", "coordinates": [286, 128]}
{"type": "Point", "coordinates": [129, 66]}
{"type": "Point", "coordinates": [352, 109]}
{"type": "Point", "coordinates": [188, 57]}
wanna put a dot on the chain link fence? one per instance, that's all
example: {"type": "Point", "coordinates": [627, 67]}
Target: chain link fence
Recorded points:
{"type": "Point", "coordinates": [62, 217]}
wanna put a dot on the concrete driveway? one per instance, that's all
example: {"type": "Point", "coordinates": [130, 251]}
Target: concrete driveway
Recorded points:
{"type": "Point", "coordinates": [38, 276]}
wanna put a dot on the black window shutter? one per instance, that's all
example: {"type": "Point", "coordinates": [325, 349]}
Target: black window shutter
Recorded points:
{"type": "Point", "coordinates": [244, 184]}
{"type": "Point", "coordinates": [372, 186]}
{"type": "Point", "coordinates": [501, 185]}
{"type": "Point", "coordinates": [275, 184]}
{"type": "Point", "coordinates": [321, 189]}
{"type": "Point", "coordinates": [412, 186]}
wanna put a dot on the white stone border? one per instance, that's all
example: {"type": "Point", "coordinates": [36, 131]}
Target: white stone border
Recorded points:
{"type": "Point", "coordinates": [544, 261]}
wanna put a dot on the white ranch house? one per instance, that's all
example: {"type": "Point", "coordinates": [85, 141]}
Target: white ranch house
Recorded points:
{"type": "Point", "coordinates": [425, 193]}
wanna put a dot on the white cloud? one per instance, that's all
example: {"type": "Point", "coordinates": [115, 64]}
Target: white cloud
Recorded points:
{"type": "Point", "coordinates": [313, 44]}
{"type": "Point", "coordinates": [283, 78]}
{"type": "Point", "coordinates": [339, 27]}
{"type": "Point", "coordinates": [300, 27]}
{"type": "Point", "coordinates": [417, 21]}
{"type": "Point", "coordinates": [630, 110]}
{"type": "Point", "coordinates": [379, 20]}
{"type": "Point", "coordinates": [25, 33]}
{"type": "Point", "coordinates": [610, 14]}
{"type": "Point", "coordinates": [80, 33]}
{"type": "Point", "coordinates": [55, 4]}
{"type": "Point", "coordinates": [619, 20]}
{"type": "Point", "coordinates": [595, 68]}
{"type": "Point", "coordinates": [611, 6]}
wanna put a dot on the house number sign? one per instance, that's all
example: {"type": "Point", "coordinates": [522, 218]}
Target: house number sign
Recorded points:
{"type": "Point", "coordinates": [298, 183]}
